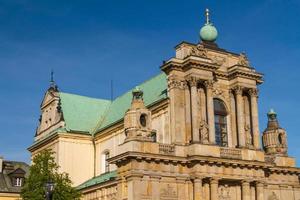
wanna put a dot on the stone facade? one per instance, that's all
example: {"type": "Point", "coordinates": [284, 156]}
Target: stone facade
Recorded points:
{"type": "Point", "coordinates": [202, 142]}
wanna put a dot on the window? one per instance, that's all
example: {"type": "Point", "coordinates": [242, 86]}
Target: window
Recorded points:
{"type": "Point", "coordinates": [106, 156]}
{"type": "Point", "coordinates": [220, 123]}
{"type": "Point", "coordinates": [17, 181]}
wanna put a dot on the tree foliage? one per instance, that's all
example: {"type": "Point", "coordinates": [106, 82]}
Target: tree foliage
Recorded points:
{"type": "Point", "coordinates": [44, 169]}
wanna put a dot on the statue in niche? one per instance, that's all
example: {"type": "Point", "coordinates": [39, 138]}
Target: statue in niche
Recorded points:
{"type": "Point", "coordinates": [273, 196]}
{"type": "Point", "coordinates": [204, 132]}
{"type": "Point", "coordinates": [224, 192]}
{"type": "Point", "coordinates": [248, 135]}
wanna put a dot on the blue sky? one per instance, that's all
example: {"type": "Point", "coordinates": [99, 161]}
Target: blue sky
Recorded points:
{"type": "Point", "coordinates": [90, 42]}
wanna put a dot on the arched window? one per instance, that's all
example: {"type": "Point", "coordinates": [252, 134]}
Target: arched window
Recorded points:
{"type": "Point", "coordinates": [220, 123]}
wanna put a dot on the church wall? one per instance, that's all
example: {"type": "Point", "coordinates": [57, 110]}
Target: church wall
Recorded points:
{"type": "Point", "coordinates": [109, 142]}
{"type": "Point", "coordinates": [76, 157]}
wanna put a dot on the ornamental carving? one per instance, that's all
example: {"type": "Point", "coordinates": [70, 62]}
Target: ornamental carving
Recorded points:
{"type": "Point", "coordinates": [238, 90]}
{"type": "Point", "coordinates": [199, 51]}
{"type": "Point", "coordinates": [253, 92]}
{"type": "Point", "coordinates": [209, 84]}
{"type": "Point", "coordinates": [273, 196]}
{"type": "Point", "coordinates": [243, 60]}
{"type": "Point", "coordinates": [168, 192]}
{"type": "Point", "coordinates": [218, 60]}
{"type": "Point", "coordinates": [204, 132]}
{"type": "Point", "coordinates": [193, 81]}
{"type": "Point", "coordinates": [218, 92]}
{"type": "Point", "coordinates": [224, 192]}
{"type": "Point", "coordinates": [176, 83]}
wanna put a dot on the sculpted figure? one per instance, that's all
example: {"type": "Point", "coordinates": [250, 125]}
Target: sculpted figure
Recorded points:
{"type": "Point", "coordinates": [204, 132]}
{"type": "Point", "coordinates": [248, 135]}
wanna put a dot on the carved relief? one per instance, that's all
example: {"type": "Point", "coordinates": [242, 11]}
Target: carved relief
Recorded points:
{"type": "Point", "coordinates": [168, 192]}
{"type": "Point", "coordinates": [204, 132]}
{"type": "Point", "coordinates": [273, 196]}
{"type": "Point", "coordinates": [224, 192]}
{"type": "Point", "coordinates": [243, 60]}
{"type": "Point", "coordinates": [199, 50]}
{"type": "Point", "coordinates": [219, 60]}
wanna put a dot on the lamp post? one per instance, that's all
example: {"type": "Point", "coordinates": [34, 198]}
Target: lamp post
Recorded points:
{"type": "Point", "coordinates": [49, 188]}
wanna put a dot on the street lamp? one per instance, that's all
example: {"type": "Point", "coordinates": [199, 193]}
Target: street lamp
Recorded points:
{"type": "Point", "coordinates": [49, 188]}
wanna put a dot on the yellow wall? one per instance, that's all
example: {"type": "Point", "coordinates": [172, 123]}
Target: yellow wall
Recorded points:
{"type": "Point", "coordinates": [9, 196]}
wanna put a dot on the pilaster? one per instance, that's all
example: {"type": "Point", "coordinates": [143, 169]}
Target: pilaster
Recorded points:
{"type": "Point", "coordinates": [238, 90]}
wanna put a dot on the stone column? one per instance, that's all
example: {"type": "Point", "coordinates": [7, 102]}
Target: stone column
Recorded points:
{"type": "Point", "coordinates": [214, 189]}
{"type": "Point", "coordinates": [240, 115]}
{"type": "Point", "coordinates": [245, 190]}
{"type": "Point", "coordinates": [210, 110]}
{"type": "Point", "coordinates": [254, 117]}
{"type": "Point", "coordinates": [198, 191]}
{"type": "Point", "coordinates": [188, 120]}
{"type": "Point", "coordinates": [259, 191]}
{"type": "Point", "coordinates": [195, 109]}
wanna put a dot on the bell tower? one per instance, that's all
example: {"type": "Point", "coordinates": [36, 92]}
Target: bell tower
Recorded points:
{"type": "Point", "coordinates": [274, 137]}
{"type": "Point", "coordinates": [137, 120]}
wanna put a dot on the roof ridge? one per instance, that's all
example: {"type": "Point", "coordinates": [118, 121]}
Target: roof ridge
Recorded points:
{"type": "Point", "coordinates": [95, 130]}
{"type": "Point", "coordinates": [94, 98]}
{"type": "Point", "coordinates": [144, 82]}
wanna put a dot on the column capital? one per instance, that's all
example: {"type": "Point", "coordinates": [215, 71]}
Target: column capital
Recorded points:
{"type": "Point", "coordinates": [259, 183]}
{"type": "Point", "coordinates": [209, 84]}
{"type": "Point", "coordinates": [193, 81]}
{"type": "Point", "coordinates": [245, 182]}
{"type": "Point", "coordinates": [238, 90]}
{"type": "Point", "coordinates": [253, 92]}
{"type": "Point", "coordinates": [175, 83]}
{"type": "Point", "coordinates": [214, 180]}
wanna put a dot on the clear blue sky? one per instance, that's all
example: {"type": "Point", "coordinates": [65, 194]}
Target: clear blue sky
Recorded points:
{"type": "Point", "coordinates": [90, 42]}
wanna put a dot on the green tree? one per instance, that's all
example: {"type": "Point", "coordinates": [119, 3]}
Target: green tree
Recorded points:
{"type": "Point", "coordinates": [43, 169]}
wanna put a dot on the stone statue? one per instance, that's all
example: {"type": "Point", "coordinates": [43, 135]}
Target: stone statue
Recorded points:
{"type": "Point", "coordinates": [248, 135]}
{"type": "Point", "coordinates": [224, 139]}
{"type": "Point", "coordinates": [243, 60]}
{"type": "Point", "coordinates": [204, 132]}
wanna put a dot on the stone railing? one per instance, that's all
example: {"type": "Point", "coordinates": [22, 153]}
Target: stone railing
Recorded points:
{"type": "Point", "coordinates": [167, 149]}
{"type": "Point", "coordinates": [230, 153]}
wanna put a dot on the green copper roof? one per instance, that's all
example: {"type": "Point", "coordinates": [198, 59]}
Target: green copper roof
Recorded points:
{"type": "Point", "coordinates": [98, 179]}
{"type": "Point", "coordinates": [82, 113]}
{"type": "Point", "coordinates": [154, 90]}
{"type": "Point", "coordinates": [90, 115]}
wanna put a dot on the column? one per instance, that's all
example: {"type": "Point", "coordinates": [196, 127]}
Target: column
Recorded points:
{"type": "Point", "coordinates": [254, 117]}
{"type": "Point", "coordinates": [188, 120]}
{"type": "Point", "coordinates": [195, 109]}
{"type": "Point", "coordinates": [214, 189]}
{"type": "Point", "coordinates": [240, 115]}
{"type": "Point", "coordinates": [245, 190]}
{"type": "Point", "coordinates": [210, 110]}
{"type": "Point", "coordinates": [198, 192]}
{"type": "Point", "coordinates": [259, 191]}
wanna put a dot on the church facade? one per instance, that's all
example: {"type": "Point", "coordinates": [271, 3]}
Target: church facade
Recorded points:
{"type": "Point", "coordinates": [189, 133]}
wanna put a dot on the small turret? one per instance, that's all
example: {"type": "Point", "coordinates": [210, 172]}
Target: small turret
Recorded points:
{"type": "Point", "coordinates": [137, 120]}
{"type": "Point", "coordinates": [274, 137]}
